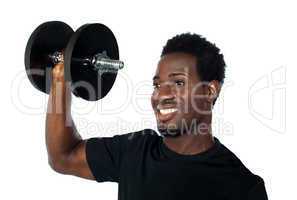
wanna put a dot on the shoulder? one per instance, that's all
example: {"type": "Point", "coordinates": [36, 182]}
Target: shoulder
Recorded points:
{"type": "Point", "coordinates": [241, 177]}
{"type": "Point", "coordinates": [139, 141]}
{"type": "Point", "coordinates": [142, 136]}
{"type": "Point", "coordinates": [226, 157]}
{"type": "Point", "coordinates": [133, 138]}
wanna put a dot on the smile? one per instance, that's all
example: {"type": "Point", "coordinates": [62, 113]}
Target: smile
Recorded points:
{"type": "Point", "coordinates": [167, 111]}
{"type": "Point", "coordinates": [166, 114]}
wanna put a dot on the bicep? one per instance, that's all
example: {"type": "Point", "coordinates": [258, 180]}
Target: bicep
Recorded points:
{"type": "Point", "coordinates": [104, 156]}
{"type": "Point", "coordinates": [77, 163]}
{"type": "Point", "coordinates": [97, 158]}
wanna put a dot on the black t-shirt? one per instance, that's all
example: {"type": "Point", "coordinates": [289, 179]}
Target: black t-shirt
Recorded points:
{"type": "Point", "coordinates": [146, 169]}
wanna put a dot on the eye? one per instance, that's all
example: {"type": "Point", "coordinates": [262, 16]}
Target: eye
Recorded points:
{"type": "Point", "coordinates": [179, 82]}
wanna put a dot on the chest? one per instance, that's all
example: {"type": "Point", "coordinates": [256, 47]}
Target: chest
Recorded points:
{"type": "Point", "coordinates": [163, 181]}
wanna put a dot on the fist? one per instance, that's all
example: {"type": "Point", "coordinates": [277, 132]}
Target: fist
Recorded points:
{"type": "Point", "coordinates": [58, 72]}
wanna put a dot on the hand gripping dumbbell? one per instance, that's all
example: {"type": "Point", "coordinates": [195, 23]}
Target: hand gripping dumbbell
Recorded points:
{"type": "Point", "coordinates": [90, 56]}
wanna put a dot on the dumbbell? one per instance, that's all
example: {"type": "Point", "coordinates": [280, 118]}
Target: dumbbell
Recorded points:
{"type": "Point", "coordinates": [90, 56]}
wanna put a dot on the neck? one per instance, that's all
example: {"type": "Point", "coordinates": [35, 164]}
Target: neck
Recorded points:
{"type": "Point", "coordinates": [192, 142]}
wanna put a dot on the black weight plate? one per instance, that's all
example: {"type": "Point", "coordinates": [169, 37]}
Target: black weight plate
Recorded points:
{"type": "Point", "coordinates": [87, 41]}
{"type": "Point", "coordinates": [47, 38]}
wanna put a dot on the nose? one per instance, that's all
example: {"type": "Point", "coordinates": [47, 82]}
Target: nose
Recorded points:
{"type": "Point", "coordinates": [166, 94]}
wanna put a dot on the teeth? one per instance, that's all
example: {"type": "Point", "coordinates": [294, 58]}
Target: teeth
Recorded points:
{"type": "Point", "coordinates": [167, 111]}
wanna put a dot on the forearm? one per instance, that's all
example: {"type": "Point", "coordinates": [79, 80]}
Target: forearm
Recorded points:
{"type": "Point", "coordinates": [61, 134]}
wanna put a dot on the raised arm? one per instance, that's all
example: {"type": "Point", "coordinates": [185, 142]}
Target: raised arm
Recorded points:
{"type": "Point", "coordinates": [65, 147]}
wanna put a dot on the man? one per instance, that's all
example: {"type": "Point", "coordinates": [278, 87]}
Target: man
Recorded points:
{"type": "Point", "coordinates": [185, 161]}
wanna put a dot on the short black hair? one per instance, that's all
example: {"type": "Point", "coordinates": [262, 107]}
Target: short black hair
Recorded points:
{"type": "Point", "coordinates": [210, 62]}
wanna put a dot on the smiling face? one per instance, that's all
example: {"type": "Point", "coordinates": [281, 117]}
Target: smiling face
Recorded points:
{"type": "Point", "coordinates": [179, 99]}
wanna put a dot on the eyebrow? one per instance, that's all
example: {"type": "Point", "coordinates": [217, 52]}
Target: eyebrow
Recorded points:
{"type": "Point", "coordinates": [170, 75]}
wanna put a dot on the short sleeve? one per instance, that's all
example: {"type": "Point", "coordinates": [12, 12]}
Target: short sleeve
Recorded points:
{"type": "Point", "coordinates": [258, 192]}
{"type": "Point", "coordinates": [104, 156]}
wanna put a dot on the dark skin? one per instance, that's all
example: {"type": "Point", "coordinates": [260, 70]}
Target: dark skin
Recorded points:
{"type": "Point", "coordinates": [176, 82]}
{"type": "Point", "coordinates": [177, 85]}
{"type": "Point", "coordinates": [66, 149]}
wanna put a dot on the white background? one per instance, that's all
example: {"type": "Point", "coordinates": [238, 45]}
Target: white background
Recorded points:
{"type": "Point", "coordinates": [253, 117]}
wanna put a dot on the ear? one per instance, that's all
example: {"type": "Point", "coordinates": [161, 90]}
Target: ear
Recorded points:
{"type": "Point", "coordinates": [214, 88]}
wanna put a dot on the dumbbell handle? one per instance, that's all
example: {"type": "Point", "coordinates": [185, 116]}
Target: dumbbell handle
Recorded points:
{"type": "Point", "coordinates": [100, 62]}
